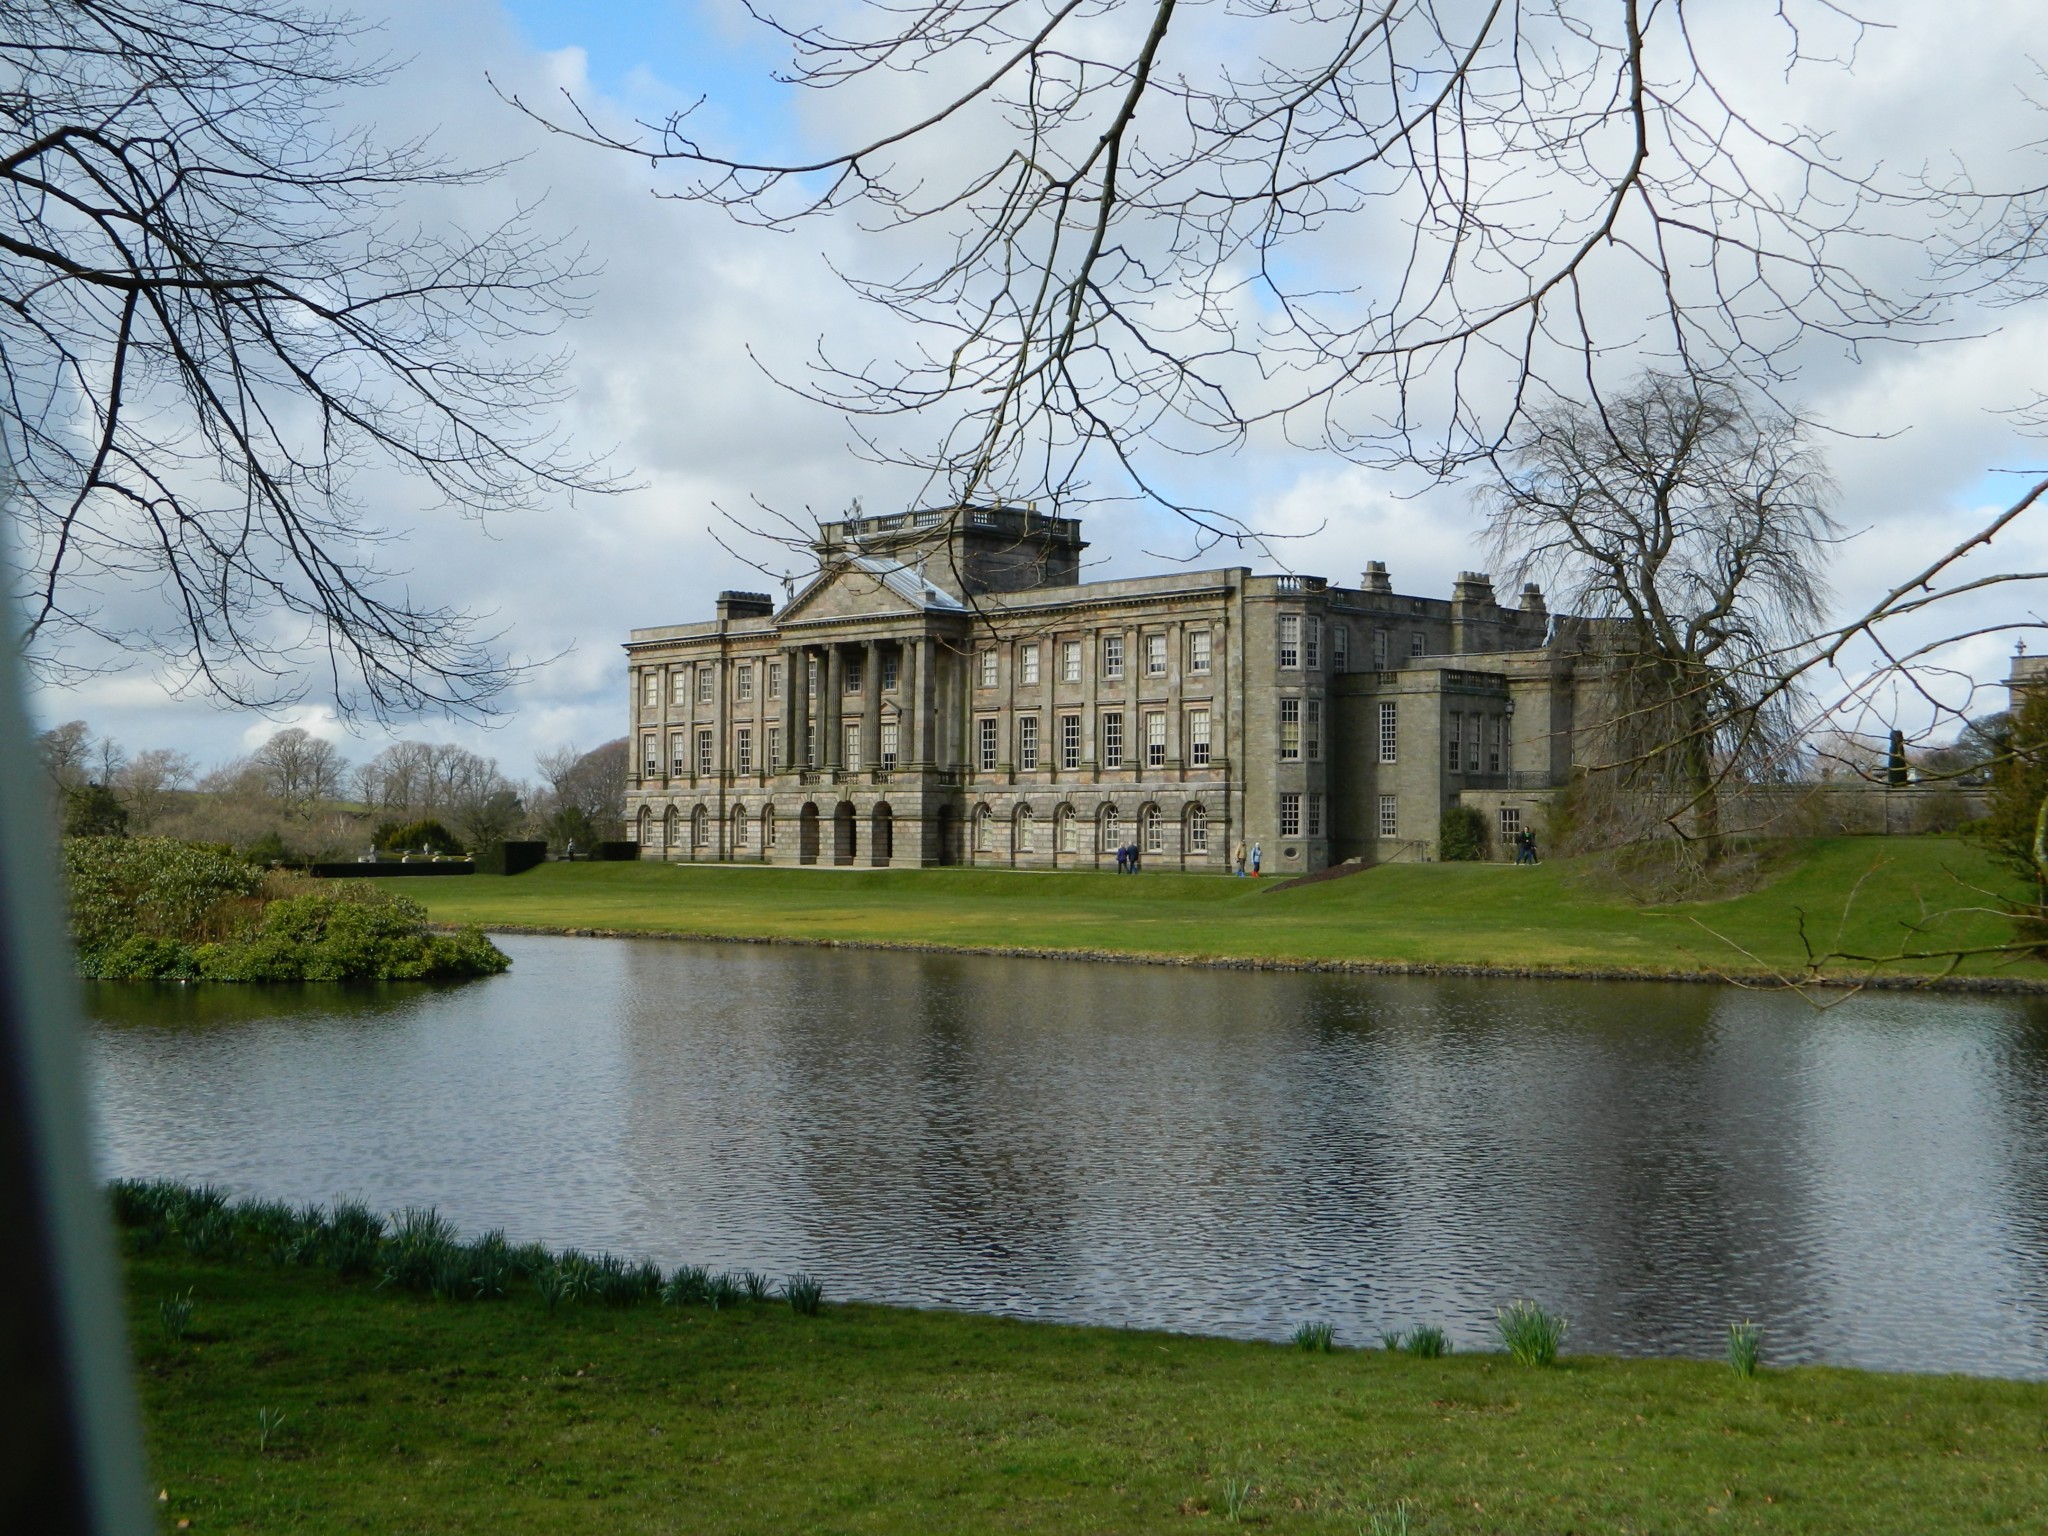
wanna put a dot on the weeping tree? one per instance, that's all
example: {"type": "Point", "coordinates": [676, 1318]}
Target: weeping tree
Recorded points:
{"type": "Point", "coordinates": [214, 310]}
{"type": "Point", "coordinates": [1687, 526]}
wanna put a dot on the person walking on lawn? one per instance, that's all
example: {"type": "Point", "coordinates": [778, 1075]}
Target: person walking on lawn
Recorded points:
{"type": "Point", "coordinates": [1256, 857]}
{"type": "Point", "coordinates": [1240, 861]}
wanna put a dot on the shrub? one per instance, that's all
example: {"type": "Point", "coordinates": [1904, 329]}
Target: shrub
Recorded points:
{"type": "Point", "coordinates": [155, 887]}
{"type": "Point", "coordinates": [93, 810]}
{"type": "Point", "coordinates": [413, 836]}
{"type": "Point", "coordinates": [1462, 836]}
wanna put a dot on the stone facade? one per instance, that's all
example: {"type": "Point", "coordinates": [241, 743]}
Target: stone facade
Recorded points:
{"type": "Point", "coordinates": [946, 690]}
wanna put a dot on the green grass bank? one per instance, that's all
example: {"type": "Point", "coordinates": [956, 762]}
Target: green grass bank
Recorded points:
{"type": "Point", "coordinates": [1854, 894]}
{"type": "Point", "coordinates": [296, 1401]}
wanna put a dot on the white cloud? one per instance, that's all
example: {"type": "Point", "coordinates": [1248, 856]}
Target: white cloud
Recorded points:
{"type": "Point", "coordinates": [663, 371]}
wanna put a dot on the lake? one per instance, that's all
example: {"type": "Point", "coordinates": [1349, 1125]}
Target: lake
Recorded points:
{"type": "Point", "coordinates": [1210, 1151]}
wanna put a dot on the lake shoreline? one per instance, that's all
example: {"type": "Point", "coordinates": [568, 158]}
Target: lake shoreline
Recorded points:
{"type": "Point", "coordinates": [1762, 980]}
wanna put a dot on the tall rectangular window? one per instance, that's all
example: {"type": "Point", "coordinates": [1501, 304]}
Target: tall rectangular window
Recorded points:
{"type": "Point", "coordinates": [1312, 642]}
{"type": "Point", "coordinates": [678, 754]}
{"type": "Point", "coordinates": [1198, 738]}
{"type": "Point", "coordinates": [852, 674]}
{"type": "Point", "coordinates": [888, 743]}
{"type": "Point", "coordinates": [743, 749]}
{"type": "Point", "coordinates": [743, 682]}
{"type": "Point", "coordinates": [1312, 730]}
{"type": "Point", "coordinates": [1389, 824]}
{"type": "Point", "coordinates": [1155, 655]}
{"type": "Point", "coordinates": [1290, 639]}
{"type": "Point", "coordinates": [1454, 751]}
{"type": "Point", "coordinates": [679, 686]}
{"type": "Point", "coordinates": [1070, 741]}
{"type": "Point", "coordinates": [988, 668]}
{"type": "Point", "coordinates": [1389, 740]}
{"type": "Point", "coordinates": [1510, 825]}
{"type": "Point", "coordinates": [1113, 740]}
{"type": "Point", "coordinates": [774, 679]}
{"type": "Point", "coordinates": [1198, 830]}
{"type": "Point", "coordinates": [1474, 727]}
{"type": "Point", "coordinates": [1379, 650]}
{"type": "Point", "coordinates": [1418, 644]}
{"type": "Point", "coordinates": [774, 748]}
{"type": "Point", "coordinates": [1290, 730]}
{"type": "Point", "coordinates": [1290, 815]}
{"type": "Point", "coordinates": [651, 762]}
{"type": "Point", "coordinates": [1070, 661]}
{"type": "Point", "coordinates": [650, 690]}
{"type": "Point", "coordinates": [706, 684]}
{"type": "Point", "coordinates": [1155, 738]}
{"type": "Point", "coordinates": [1496, 742]}
{"type": "Point", "coordinates": [892, 670]}
{"type": "Point", "coordinates": [1198, 650]}
{"type": "Point", "coordinates": [810, 743]}
{"type": "Point", "coordinates": [1340, 647]}
{"type": "Point", "coordinates": [704, 752]}
{"type": "Point", "coordinates": [851, 755]}
{"type": "Point", "coordinates": [1315, 814]}
{"type": "Point", "coordinates": [1027, 741]}
{"type": "Point", "coordinates": [1027, 666]}
{"type": "Point", "coordinates": [1113, 656]}
{"type": "Point", "coordinates": [986, 756]}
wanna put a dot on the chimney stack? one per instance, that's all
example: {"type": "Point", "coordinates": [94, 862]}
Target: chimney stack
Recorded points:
{"type": "Point", "coordinates": [1376, 579]}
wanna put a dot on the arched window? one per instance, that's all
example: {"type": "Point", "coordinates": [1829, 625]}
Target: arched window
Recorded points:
{"type": "Point", "coordinates": [645, 832]}
{"type": "Point", "coordinates": [1027, 830]}
{"type": "Point", "coordinates": [1112, 830]}
{"type": "Point", "coordinates": [700, 828]}
{"type": "Point", "coordinates": [984, 831]}
{"type": "Point", "coordinates": [1067, 828]}
{"type": "Point", "coordinates": [739, 828]}
{"type": "Point", "coordinates": [1153, 822]}
{"type": "Point", "coordinates": [1198, 829]}
{"type": "Point", "coordinates": [671, 824]}
{"type": "Point", "coordinates": [769, 831]}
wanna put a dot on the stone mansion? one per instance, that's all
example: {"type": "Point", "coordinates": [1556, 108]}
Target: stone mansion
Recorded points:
{"type": "Point", "coordinates": [946, 690]}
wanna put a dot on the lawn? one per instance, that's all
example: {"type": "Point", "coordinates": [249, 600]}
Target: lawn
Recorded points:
{"type": "Point", "coordinates": [1855, 894]}
{"type": "Point", "coordinates": [401, 1414]}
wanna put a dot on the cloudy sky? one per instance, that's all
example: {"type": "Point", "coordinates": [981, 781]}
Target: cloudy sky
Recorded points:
{"type": "Point", "coordinates": [663, 374]}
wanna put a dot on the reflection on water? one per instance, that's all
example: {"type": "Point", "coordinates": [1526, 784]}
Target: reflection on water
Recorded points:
{"type": "Point", "coordinates": [1212, 1151]}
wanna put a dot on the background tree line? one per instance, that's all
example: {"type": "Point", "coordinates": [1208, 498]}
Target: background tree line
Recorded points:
{"type": "Point", "coordinates": [298, 798]}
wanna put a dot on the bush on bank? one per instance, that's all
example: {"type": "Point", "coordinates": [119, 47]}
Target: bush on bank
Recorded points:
{"type": "Point", "coordinates": [155, 909]}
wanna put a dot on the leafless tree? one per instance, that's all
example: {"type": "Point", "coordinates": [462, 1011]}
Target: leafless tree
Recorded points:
{"type": "Point", "coordinates": [1687, 531]}
{"type": "Point", "coordinates": [66, 753]}
{"type": "Point", "coordinates": [149, 783]}
{"type": "Point", "coordinates": [212, 312]}
{"type": "Point", "coordinates": [1391, 229]}
{"type": "Point", "coordinates": [299, 770]}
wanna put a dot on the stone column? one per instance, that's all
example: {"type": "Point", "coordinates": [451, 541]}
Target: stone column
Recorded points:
{"type": "Point", "coordinates": [799, 704]}
{"type": "Point", "coordinates": [792, 658]}
{"type": "Point", "coordinates": [828, 717]}
{"type": "Point", "coordinates": [871, 723]}
{"type": "Point", "coordinates": [925, 699]}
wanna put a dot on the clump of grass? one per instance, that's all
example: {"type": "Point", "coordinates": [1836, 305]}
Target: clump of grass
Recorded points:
{"type": "Point", "coordinates": [1386, 1522]}
{"type": "Point", "coordinates": [354, 1235]}
{"type": "Point", "coordinates": [210, 1233]}
{"type": "Point", "coordinates": [805, 1294]}
{"type": "Point", "coordinates": [687, 1287]}
{"type": "Point", "coordinates": [552, 1285]}
{"type": "Point", "coordinates": [1315, 1338]}
{"type": "Point", "coordinates": [724, 1291]}
{"type": "Point", "coordinates": [491, 1268]}
{"type": "Point", "coordinates": [1421, 1341]}
{"type": "Point", "coordinates": [269, 1427]}
{"type": "Point", "coordinates": [759, 1287]}
{"type": "Point", "coordinates": [1531, 1333]}
{"type": "Point", "coordinates": [1237, 1494]}
{"type": "Point", "coordinates": [1745, 1348]}
{"type": "Point", "coordinates": [423, 1254]}
{"type": "Point", "coordinates": [175, 1313]}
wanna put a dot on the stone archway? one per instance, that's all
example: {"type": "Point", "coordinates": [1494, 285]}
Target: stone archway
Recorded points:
{"type": "Point", "coordinates": [807, 834]}
{"type": "Point", "coordinates": [948, 849]}
{"type": "Point", "coordinates": [843, 832]}
{"type": "Point", "coordinates": [881, 834]}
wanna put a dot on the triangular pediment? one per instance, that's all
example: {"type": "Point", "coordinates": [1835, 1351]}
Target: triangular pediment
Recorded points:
{"type": "Point", "coordinates": [868, 586]}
